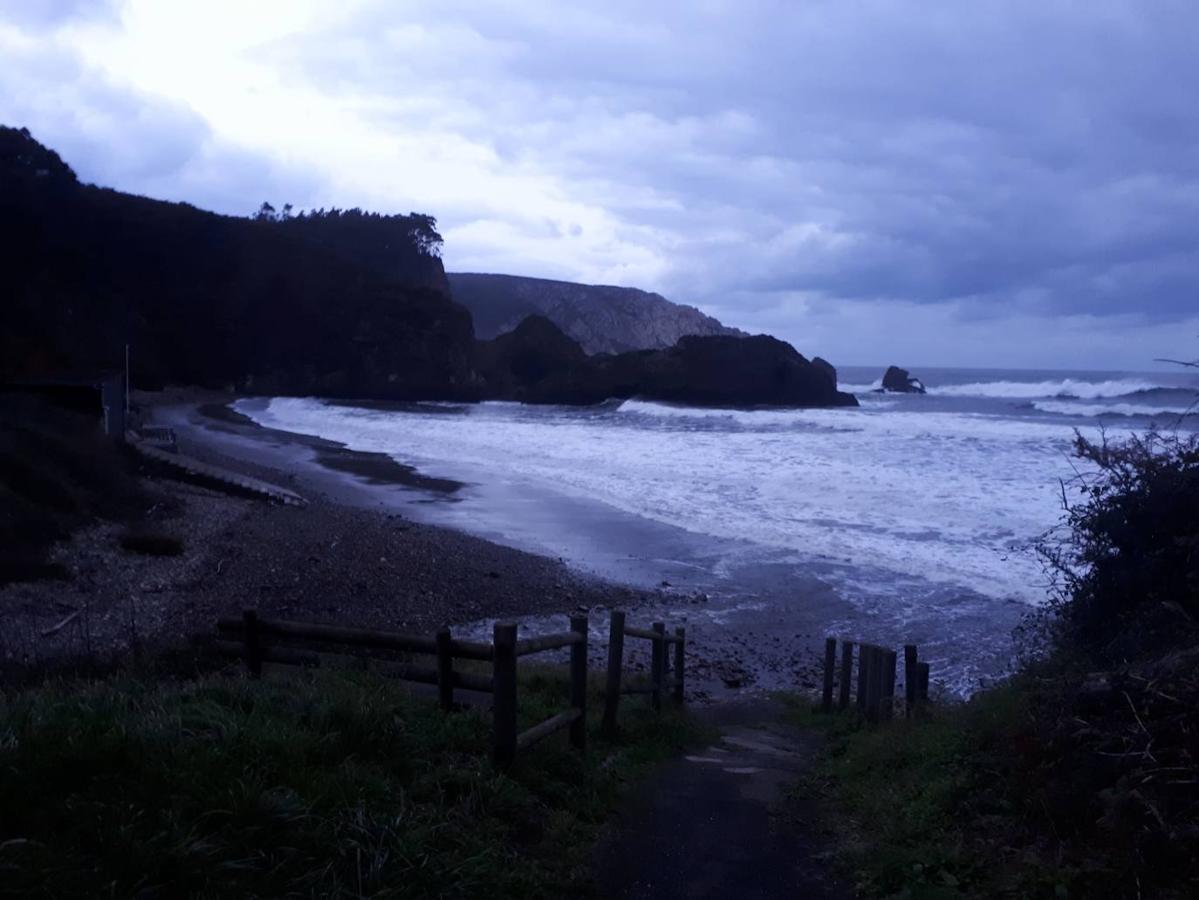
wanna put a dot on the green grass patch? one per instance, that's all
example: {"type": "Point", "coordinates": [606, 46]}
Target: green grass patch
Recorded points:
{"type": "Point", "coordinates": [1008, 795]}
{"type": "Point", "coordinates": [317, 784]}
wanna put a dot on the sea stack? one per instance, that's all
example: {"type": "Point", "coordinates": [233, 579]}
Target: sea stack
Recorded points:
{"type": "Point", "coordinates": [899, 381]}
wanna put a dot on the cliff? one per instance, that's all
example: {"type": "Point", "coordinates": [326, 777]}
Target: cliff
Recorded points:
{"type": "Point", "coordinates": [602, 319]}
{"type": "Point", "coordinates": [339, 303]}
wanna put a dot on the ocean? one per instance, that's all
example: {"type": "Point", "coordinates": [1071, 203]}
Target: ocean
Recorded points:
{"type": "Point", "coordinates": [911, 518]}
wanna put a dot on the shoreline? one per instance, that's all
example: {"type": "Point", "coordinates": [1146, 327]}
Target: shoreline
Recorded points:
{"type": "Point", "coordinates": [737, 642]}
{"type": "Point", "coordinates": [337, 561]}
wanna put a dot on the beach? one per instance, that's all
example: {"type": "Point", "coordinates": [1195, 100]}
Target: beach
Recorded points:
{"type": "Point", "coordinates": [354, 555]}
{"type": "Point", "coordinates": [332, 561]}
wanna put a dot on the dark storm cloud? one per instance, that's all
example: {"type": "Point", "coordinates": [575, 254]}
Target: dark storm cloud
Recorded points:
{"type": "Point", "coordinates": [816, 169]}
{"type": "Point", "coordinates": [1012, 154]}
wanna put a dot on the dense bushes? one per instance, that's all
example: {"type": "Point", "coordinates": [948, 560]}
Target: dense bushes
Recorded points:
{"type": "Point", "coordinates": [1128, 569]}
{"type": "Point", "coordinates": [56, 472]}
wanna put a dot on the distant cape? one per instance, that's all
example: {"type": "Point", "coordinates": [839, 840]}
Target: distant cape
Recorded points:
{"type": "Point", "coordinates": [601, 318]}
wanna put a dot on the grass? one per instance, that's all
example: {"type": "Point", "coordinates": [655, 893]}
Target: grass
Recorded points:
{"type": "Point", "coordinates": [323, 784]}
{"type": "Point", "coordinates": [1018, 793]}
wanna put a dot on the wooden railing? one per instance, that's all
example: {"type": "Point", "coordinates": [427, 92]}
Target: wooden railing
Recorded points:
{"type": "Point", "coordinates": [660, 677]}
{"type": "Point", "coordinates": [876, 679]}
{"type": "Point", "coordinates": [258, 641]}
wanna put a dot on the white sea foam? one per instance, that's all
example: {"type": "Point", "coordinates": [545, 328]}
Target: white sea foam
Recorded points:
{"type": "Point", "coordinates": [1066, 387]}
{"type": "Point", "coordinates": [1091, 410]}
{"type": "Point", "coordinates": [945, 498]}
{"type": "Point", "coordinates": [860, 388]}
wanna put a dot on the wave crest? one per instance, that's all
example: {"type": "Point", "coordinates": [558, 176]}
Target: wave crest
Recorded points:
{"type": "Point", "coordinates": [1067, 389]}
{"type": "Point", "coordinates": [1066, 408]}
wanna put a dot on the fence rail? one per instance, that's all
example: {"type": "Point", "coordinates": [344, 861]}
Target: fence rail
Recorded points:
{"type": "Point", "coordinates": [258, 641]}
{"type": "Point", "coordinates": [876, 677]}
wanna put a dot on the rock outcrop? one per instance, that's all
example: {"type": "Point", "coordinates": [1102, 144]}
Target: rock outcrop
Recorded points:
{"type": "Point", "coordinates": [826, 367]}
{"type": "Point", "coordinates": [602, 319]}
{"type": "Point", "coordinates": [537, 363]}
{"type": "Point", "coordinates": [900, 381]}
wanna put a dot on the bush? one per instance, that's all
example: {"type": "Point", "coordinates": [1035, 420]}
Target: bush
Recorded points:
{"type": "Point", "coordinates": [57, 472]}
{"type": "Point", "coordinates": [1128, 570]}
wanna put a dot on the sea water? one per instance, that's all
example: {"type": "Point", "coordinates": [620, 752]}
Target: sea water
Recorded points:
{"type": "Point", "coordinates": [912, 517]}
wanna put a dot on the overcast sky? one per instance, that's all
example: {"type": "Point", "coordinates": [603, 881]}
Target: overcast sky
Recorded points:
{"type": "Point", "coordinates": [964, 182]}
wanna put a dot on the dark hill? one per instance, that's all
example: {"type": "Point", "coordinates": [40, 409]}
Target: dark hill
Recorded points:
{"type": "Point", "coordinates": [537, 363]}
{"type": "Point", "coordinates": [602, 318]}
{"type": "Point", "coordinates": [331, 303]}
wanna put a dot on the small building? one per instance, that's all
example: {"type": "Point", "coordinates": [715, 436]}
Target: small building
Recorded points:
{"type": "Point", "coordinates": [101, 395]}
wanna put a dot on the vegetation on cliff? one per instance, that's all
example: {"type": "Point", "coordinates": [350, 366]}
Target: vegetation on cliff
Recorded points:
{"type": "Point", "coordinates": [338, 303]}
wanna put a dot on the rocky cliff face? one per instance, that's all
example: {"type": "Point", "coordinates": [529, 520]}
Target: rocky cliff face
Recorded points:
{"type": "Point", "coordinates": [537, 363]}
{"type": "Point", "coordinates": [602, 319]}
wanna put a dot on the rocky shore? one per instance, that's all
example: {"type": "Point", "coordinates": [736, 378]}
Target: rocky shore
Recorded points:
{"type": "Point", "coordinates": [350, 557]}
{"type": "Point", "coordinates": [329, 562]}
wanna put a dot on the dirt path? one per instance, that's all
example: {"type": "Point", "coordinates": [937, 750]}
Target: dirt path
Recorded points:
{"type": "Point", "coordinates": [719, 822]}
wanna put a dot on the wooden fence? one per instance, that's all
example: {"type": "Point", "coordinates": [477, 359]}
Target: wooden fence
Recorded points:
{"type": "Point", "coordinates": [876, 679]}
{"type": "Point", "coordinates": [660, 674]}
{"type": "Point", "coordinates": [259, 641]}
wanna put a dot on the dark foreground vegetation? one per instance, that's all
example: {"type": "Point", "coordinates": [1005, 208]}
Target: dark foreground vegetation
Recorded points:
{"type": "Point", "coordinates": [57, 472]}
{"type": "Point", "coordinates": [323, 784]}
{"type": "Point", "coordinates": [1079, 777]}
{"type": "Point", "coordinates": [335, 302]}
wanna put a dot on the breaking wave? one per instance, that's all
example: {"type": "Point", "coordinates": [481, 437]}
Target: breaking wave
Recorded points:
{"type": "Point", "coordinates": [1066, 389]}
{"type": "Point", "coordinates": [1067, 408]}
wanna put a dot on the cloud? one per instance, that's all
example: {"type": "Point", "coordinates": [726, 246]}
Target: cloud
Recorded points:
{"type": "Point", "coordinates": [960, 167]}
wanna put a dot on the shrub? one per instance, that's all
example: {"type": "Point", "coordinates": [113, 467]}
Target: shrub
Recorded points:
{"type": "Point", "coordinates": [57, 472]}
{"type": "Point", "coordinates": [1128, 568]}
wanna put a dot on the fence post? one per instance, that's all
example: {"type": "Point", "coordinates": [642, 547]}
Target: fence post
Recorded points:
{"type": "Point", "coordinates": [679, 646]}
{"type": "Point", "coordinates": [658, 663]}
{"type": "Point", "coordinates": [503, 672]}
{"type": "Point", "coordinates": [846, 674]}
{"type": "Point", "coordinates": [830, 661]}
{"type": "Point", "coordinates": [923, 690]}
{"type": "Point", "coordinates": [889, 659]}
{"type": "Point", "coordinates": [874, 687]}
{"type": "Point", "coordinates": [445, 670]}
{"type": "Point", "coordinates": [910, 679]}
{"type": "Point", "coordinates": [863, 675]}
{"type": "Point", "coordinates": [578, 683]}
{"type": "Point", "coordinates": [615, 663]}
{"type": "Point", "coordinates": [253, 640]}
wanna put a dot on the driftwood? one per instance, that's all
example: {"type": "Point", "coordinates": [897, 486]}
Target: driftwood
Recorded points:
{"type": "Point", "coordinates": [63, 624]}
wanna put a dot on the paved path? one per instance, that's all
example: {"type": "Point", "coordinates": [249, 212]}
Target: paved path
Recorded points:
{"type": "Point", "coordinates": [707, 825]}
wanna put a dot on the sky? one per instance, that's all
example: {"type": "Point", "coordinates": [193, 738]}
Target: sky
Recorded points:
{"type": "Point", "coordinates": [939, 182]}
